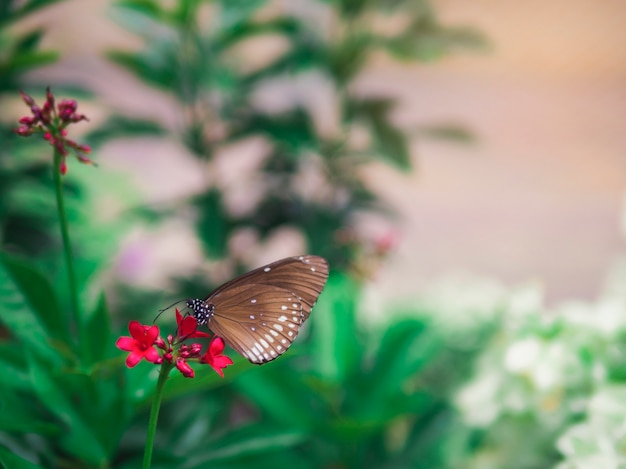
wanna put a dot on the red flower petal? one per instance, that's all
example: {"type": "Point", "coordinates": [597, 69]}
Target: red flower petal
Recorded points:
{"type": "Point", "coordinates": [214, 358]}
{"type": "Point", "coordinates": [133, 359]}
{"type": "Point", "coordinates": [125, 343]}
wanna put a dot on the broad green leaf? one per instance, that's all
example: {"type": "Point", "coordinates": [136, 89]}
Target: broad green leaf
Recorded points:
{"type": "Point", "coordinates": [335, 341]}
{"type": "Point", "coordinates": [96, 338]}
{"type": "Point", "coordinates": [267, 387]}
{"type": "Point", "coordinates": [19, 316]}
{"type": "Point", "coordinates": [40, 297]}
{"type": "Point", "coordinates": [8, 460]}
{"type": "Point", "coordinates": [243, 443]}
{"type": "Point", "coordinates": [18, 415]}
{"type": "Point", "coordinates": [78, 438]}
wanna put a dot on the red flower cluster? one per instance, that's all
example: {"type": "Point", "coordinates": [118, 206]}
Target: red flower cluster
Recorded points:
{"type": "Point", "coordinates": [145, 341]}
{"type": "Point", "coordinates": [52, 123]}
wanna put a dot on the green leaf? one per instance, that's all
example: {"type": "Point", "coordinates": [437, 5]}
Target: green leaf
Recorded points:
{"type": "Point", "coordinates": [388, 142]}
{"type": "Point", "coordinates": [427, 41]}
{"type": "Point", "coordinates": [333, 319]}
{"type": "Point", "coordinates": [234, 12]}
{"type": "Point", "coordinates": [96, 338]}
{"type": "Point", "coordinates": [18, 308]}
{"type": "Point", "coordinates": [8, 460]}
{"type": "Point", "coordinates": [29, 41]}
{"type": "Point", "coordinates": [447, 132]}
{"type": "Point", "coordinates": [242, 443]}
{"type": "Point", "coordinates": [292, 130]}
{"type": "Point", "coordinates": [78, 437]}
{"type": "Point", "coordinates": [28, 60]}
{"type": "Point", "coordinates": [214, 224]}
{"type": "Point", "coordinates": [118, 126]}
{"type": "Point", "coordinates": [266, 387]}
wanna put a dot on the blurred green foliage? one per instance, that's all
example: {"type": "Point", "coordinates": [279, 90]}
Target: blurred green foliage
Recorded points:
{"type": "Point", "coordinates": [449, 384]}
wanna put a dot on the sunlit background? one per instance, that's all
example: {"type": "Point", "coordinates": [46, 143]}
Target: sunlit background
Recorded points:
{"type": "Point", "coordinates": [536, 196]}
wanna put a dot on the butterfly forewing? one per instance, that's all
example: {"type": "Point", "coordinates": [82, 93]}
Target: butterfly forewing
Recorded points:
{"type": "Point", "coordinates": [259, 321]}
{"type": "Point", "coordinates": [303, 275]}
{"type": "Point", "coordinates": [259, 314]}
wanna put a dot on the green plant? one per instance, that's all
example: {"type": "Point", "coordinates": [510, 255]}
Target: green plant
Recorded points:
{"type": "Point", "coordinates": [308, 176]}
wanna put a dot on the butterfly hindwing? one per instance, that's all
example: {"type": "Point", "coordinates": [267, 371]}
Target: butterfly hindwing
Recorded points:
{"type": "Point", "coordinates": [259, 321]}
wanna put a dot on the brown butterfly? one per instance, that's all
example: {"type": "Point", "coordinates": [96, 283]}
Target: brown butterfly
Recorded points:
{"type": "Point", "coordinates": [259, 314]}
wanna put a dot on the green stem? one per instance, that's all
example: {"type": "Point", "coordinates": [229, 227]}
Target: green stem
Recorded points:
{"type": "Point", "coordinates": [65, 234]}
{"type": "Point", "coordinates": [154, 413]}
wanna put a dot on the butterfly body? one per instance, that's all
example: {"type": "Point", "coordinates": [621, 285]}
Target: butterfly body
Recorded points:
{"type": "Point", "coordinates": [259, 314]}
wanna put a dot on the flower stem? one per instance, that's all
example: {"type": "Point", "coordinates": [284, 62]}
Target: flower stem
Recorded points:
{"type": "Point", "coordinates": [65, 235]}
{"type": "Point", "coordinates": [154, 413]}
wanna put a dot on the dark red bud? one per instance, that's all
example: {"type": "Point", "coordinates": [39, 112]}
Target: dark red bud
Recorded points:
{"type": "Point", "coordinates": [27, 99]}
{"type": "Point", "coordinates": [184, 368]}
{"type": "Point", "coordinates": [29, 121]}
{"type": "Point", "coordinates": [49, 98]}
{"type": "Point", "coordinates": [23, 131]}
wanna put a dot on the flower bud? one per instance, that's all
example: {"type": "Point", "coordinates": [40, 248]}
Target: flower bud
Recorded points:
{"type": "Point", "coordinates": [184, 368]}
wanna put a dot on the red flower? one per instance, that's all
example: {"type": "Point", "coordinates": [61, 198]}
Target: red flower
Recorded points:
{"type": "Point", "coordinates": [187, 327]}
{"type": "Point", "coordinates": [140, 344]}
{"type": "Point", "coordinates": [51, 121]}
{"type": "Point", "coordinates": [213, 356]}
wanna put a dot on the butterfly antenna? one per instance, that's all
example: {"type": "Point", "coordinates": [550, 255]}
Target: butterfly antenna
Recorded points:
{"type": "Point", "coordinates": [161, 311]}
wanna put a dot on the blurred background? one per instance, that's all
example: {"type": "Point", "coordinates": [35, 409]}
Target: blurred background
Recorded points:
{"type": "Point", "coordinates": [538, 192]}
{"type": "Point", "coordinates": [460, 164]}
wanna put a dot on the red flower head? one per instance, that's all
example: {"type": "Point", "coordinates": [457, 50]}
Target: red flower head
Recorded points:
{"type": "Point", "coordinates": [140, 344]}
{"type": "Point", "coordinates": [213, 356]}
{"type": "Point", "coordinates": [51, 121]}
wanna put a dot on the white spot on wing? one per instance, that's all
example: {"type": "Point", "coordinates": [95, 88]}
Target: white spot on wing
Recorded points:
{"type": "Point", "coordinates": [264, 343]}
{"type": "Point", "coordinates": [279, 347]}
{"type": "Point", "coordinates": [278, 327]}
{"type": "Point", "coordinates": [283, 318]}
{"type": "Point", "coordinates": [267, 269]}
{"type": "Point", "coordinates": [252, 316]}
{"type": "Point", "coordinates": [253, 300]}
{"type": "Point", "coordinates": [283, 307]}
{"type": "Point", "coordinates": [312, 269]}
{"type": "Point", "coordinates": [274, 333]}
{"type": "Point", "coordinates": [253, 328]}
{"type": "Point", "coordinates": [269, 337]}
{"type": "Point", "coordinates": [284, 341]}
{"type": "Point", "coordinates": [290, 334]}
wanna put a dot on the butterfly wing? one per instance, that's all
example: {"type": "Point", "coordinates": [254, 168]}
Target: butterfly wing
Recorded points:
{"type": "Point", "coordinates": [305, 276]}
{"type": "Point", "coordinates": [259, 321]}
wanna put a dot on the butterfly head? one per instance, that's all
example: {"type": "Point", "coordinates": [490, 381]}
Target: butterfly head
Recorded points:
{"type": "Point", "coordinates": [202, 311]}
